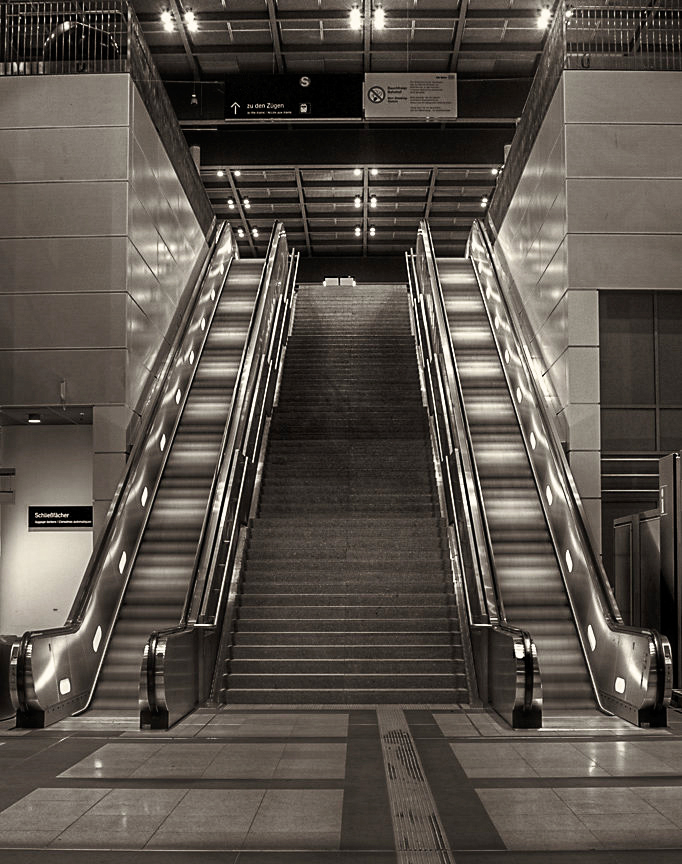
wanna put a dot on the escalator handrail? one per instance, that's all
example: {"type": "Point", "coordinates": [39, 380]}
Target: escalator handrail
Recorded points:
{"type": "Point", "coordinates": [224, 244]}
{"type": "Point", "coordinates": [519, 700]}
{"type": "Point", "coordinates": [207, 615]}
{"type": "Point", "coordinates": [597, 573]}
{"type": "Point", "coordinates": [481, 542]}
{"type": "Point", "coordinates": [228, 445]}
{"type": "Point", "coordinates": [222, 532]}
{"type": "Point", "coordinates": [147, 414]}
{"type": "Point", "coordinates": [594, 568]}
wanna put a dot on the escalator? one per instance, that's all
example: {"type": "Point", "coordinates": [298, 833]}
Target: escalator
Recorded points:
{"type": "Point", "coordinates": [528, 574]}
{"type": "Point", "coordinates": [146, 569]}
{"type": "Point", "coordinates": [159, 581]}
{"type": "Point", "coordinates": [528, 569]}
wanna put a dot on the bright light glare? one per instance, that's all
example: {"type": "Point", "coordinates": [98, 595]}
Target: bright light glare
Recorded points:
{"type": "Point", "coordinates": [357, 201]}
{"type": "Point", "coordinates": [372, 231]}
{"type": "Point", "coordinates": [191, 21]}
{"type": "Point", "coordinates": [544, 18]}
{"type": "Point", "coordinates": [373, 201]}
{"type": "Point", "coordinates": [379, 18]}
{"type": "Point", "coordinates": [358, 230]}
{"type": "Point", "coordinates": [167, 20]}
{"type": "Point", "coordinates": [357, 171]}
{"type": "Point", "coordinates": [355, 18]}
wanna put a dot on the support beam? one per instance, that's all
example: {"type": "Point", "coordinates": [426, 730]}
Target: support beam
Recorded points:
{"type": "Point", "coordinates": [459, 33]}
{"type": "Point", "coordinates": [187, 45]}
{"type": "Point", "coordinates": [367, 35]}
{"type": "Point", "coordinates": [304, 214]}
{"type": "Point", "coordinates": [276, 42]}
{"type": "Point", "coordinates": [365, 205]}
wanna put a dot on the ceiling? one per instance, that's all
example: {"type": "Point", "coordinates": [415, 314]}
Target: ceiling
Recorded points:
{"type": "Point", "coordinates": [309, 181]}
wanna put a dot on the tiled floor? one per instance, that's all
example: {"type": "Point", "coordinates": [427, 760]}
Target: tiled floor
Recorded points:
{"type": "Point", "coordinates": [330, 786]}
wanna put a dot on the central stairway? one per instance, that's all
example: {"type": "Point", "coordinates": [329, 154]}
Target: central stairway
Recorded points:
{"type": "Point", "coordinates": [346, 595]}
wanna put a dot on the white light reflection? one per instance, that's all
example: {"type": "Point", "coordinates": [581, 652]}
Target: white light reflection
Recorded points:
{"type": "Point", "coordinates": [591, 638]}
{"type": "Point", "coordinates": [569, 561]}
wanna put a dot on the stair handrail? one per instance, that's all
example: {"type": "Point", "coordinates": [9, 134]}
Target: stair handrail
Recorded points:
{"type": "Point", "coordinates": [74, 651]}
{"type": "Point", "coordinates": [167, 694]}
{"type": "Point", "coordinates": [512, 682]}
{"type": "Point", "coordinates": [612, 650]}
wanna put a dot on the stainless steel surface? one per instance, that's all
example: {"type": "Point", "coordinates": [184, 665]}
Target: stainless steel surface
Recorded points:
{"type": "Point", "coordinates": [164, 565]}
{"type": "Point", "coordinates": [53, 672]}
{"type": "Point", "coordinates": [179, 660]}
{"type": "Point", "coordinates": [526, 568]}
{"type": "Point", "coordinates": [505, 658]}
{"type": "Point", "coordinates": [630, 668]}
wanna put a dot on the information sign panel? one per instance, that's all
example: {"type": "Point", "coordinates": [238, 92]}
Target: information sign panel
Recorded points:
{"type": "Point", "coordinates": [293, 97]}
{"type": "Point", "coordinates": [59, 518]}
{"type": "Point", "coordinates": [410, 96]}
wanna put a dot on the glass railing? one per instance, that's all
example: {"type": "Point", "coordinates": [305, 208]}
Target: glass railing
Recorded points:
{"type": "Point", "coordinates": [53, 672]}
{"type": "Point", "coordinates": [630, 668]}
{"type": "Point", "coordinates": [182, 665]}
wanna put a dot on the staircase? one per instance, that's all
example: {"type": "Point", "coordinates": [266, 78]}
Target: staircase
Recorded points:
{"type": "Point", "coordinates": [346, 596]}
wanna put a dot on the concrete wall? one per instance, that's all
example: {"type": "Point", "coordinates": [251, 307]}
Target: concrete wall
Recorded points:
{"type": "Point", "coordinates": [40, 570]}
{"type": "Point", "coordinates": [97, 243]}
{"type": "Point", "coordinates": [598, 207]}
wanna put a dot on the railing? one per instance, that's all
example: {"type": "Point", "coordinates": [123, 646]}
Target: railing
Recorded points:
{"type": "Point", "coordinates": [70, 37]}
{"type": "Point", "coordinates": [631, 668]}
{"type": "Point", "coordinates": [179, 666]}
{"type": "Point", "coordinates": [634, 36]}
{"type": "Point", "coordinates": [53, 672]}
{"type": "Point", "coordinates": [505, 657]}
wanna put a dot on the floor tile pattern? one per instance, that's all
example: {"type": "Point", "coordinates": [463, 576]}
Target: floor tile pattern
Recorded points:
{"type": "Point", "coordinates": [274, 786]}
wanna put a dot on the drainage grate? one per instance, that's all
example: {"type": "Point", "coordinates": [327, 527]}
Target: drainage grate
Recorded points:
{"type": "Point", "coordinates": [419, 834]}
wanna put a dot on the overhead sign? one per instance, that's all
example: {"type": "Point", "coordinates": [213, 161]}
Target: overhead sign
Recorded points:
{"type": "Point", "coordinates": [410, 96]}
{"type": "Point", "coordinates": [293, 97]}
{"type": "Point", "coordinates": [59, 518]}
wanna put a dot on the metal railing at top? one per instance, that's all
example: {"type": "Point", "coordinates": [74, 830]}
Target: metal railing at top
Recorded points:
{"type": "Point", "coordinates": [63, 37]}
{"type": "Point", "coordinates": [629, 35]}
{"type": "Point", "coordinates": [70, 37]}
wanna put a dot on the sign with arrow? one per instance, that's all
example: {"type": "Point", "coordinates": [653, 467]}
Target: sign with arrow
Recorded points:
{"type": "Point", "coordinates": [293, 97]}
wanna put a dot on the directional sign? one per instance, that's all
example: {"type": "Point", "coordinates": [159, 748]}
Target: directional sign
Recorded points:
{"type": "Point", "coordinates": [410, 96]}
{"type": "Point", "coordinates": [293, 97]}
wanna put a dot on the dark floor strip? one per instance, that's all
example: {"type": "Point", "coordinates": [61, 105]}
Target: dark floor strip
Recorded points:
{"type": "Point", "coordinates": [464, 817]}
{"type": "Point", "coordinates": [366, 819]}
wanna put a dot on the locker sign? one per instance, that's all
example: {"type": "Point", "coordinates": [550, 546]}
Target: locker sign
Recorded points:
{"type": "Point", "coordinates": [65, 517]}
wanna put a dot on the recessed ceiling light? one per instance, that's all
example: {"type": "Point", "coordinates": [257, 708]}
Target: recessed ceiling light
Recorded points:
{"type": "Point", "coordinates": [34, 418]}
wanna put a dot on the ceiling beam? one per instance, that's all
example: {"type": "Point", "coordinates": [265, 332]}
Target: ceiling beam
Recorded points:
{"type": "Point", "coordinates": [367, 36]}
{"type": "Point", "coordinates": [304, 216]}
{"type": "Point", "coordinates": [285, 16]}
{"type": "Point", "coordinates": [267, 145]}
{"type": "Point", "coordinates": [494, 50]}
{"type": "Point", "coordinates": [274, 28]}
{"type": "Point", "coordinates": [187, 46]}
{"type": "Point", "coordinates": [444, 185]}
{"type": "Point", "coordinates": [459, 33]}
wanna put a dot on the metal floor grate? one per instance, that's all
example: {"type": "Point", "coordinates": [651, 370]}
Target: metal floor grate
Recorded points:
{"type": "Point", "coordinates": [419, 833]}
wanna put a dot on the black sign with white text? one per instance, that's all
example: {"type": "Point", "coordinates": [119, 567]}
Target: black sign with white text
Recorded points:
{"type": "Point", "coordinates": [293, 97]}
{"type": "Point", "coordinates": [60, 518]}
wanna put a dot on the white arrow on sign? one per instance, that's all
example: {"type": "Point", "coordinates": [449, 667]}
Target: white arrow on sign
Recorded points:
{"type": "Point", "coordinates": [235, 105]}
